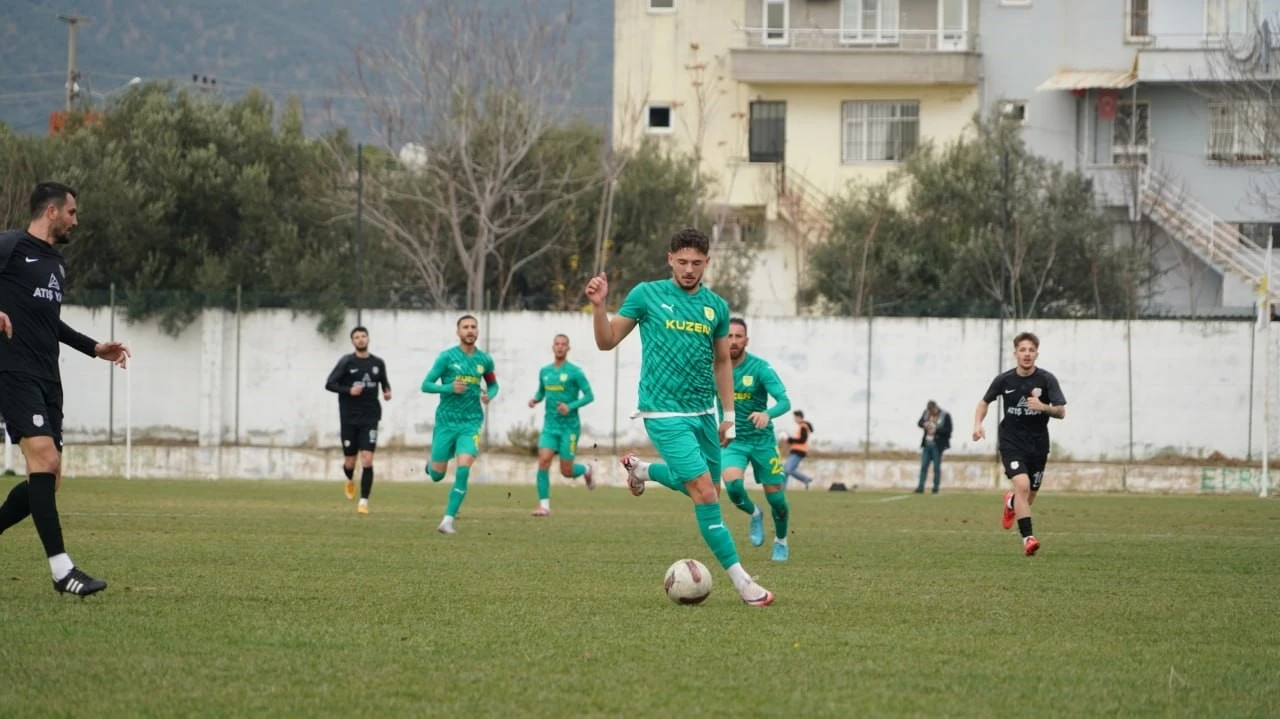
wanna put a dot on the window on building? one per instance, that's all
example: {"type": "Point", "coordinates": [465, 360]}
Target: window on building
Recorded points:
{"type": "Point", "coordinates": [662, 5]}
{"type": "Point", "coordinates": [775, 22]}
{"type": "Point", "coordinates": [1137, 19]}
{"type": "Point", "coordinates": [1229, 17]}
{"type": "Point", "coordinates": [869, 21]}
{"type": "Point", "coordinates": [879, 131]}
{"type": "Point", "coordinates": [658, 118]}
{"type": "Point", "coordinates": [1244, 132]}
{"type": "Point", "coordinates": [1014, 110]}
{"type": "Point", "coordinates": [1131, 133]}
{"type": "Point", "coordinates": [1260, 233]}
{"type": "Point", "coordinates": [767, 131]}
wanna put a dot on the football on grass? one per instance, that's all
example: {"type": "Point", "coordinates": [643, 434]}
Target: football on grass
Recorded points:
{"type": "Point", "coordinates": [687, 582]}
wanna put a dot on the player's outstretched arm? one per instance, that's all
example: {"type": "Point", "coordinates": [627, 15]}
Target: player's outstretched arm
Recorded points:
{"type": "Point", "coordinates": [75, 340]}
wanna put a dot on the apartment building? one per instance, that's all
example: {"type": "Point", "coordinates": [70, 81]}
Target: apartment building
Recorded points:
{"type": "Point", "coordinates": [787, 101]}
{"type": "Point", "coordinates": [1147, 96]}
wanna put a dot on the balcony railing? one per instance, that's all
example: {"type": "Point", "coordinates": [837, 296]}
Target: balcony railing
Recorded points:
{"type": "Point", "coordinates": [911, 40]}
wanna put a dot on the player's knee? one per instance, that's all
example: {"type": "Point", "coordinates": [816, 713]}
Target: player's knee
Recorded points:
{"type": "Point", "coordinates": [703, 491]}
{"type": "Point", "coordinates": [366, 459]}
{"type": "Point", "coordinates": [566, 469]}
{"type": "Point", "coordinates": [42, 455]}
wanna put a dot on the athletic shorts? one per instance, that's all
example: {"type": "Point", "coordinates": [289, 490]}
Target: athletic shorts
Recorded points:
{"type": "Point", "coordinates": [449, 442]}
{"type": "Point", "coordinates": [1032, 465]}
{"type": "Point", "coordinates": [690, 446]}
{"type": "Point", "coordinates": [31, 407]}
{"type": "Point", "coordinates": [562, 441]}
{"type": "Point", "coordinates": [766, 465]}
{"type": "Point", "coordinates": [359, 438]}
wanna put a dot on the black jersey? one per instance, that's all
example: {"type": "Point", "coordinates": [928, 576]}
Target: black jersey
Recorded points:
{"type": "Point", "coordinates": [31, 286]}
{"type": "Point", "coordinates": [1022, 429]}
{"type": "Point", "coordinates": [365, 409]}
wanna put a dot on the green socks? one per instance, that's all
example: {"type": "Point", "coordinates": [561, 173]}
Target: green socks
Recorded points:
{"type": "Point", "coordinates": [435, 476]}
{"type": "Point", "coordinates": [459, 491]}
{"type": "Point", "coordinates": [544, 484]}
{"type": "Point", "coordinates": [714, 533]}
{"type": "Point", "coordinates": [781, 512]}
{"type": "Point", "coordinates": [738, 495]}
{"type": "Point", "coordinates": [661, 474]}
{"type": "Point", "coordinates": [579, 470]}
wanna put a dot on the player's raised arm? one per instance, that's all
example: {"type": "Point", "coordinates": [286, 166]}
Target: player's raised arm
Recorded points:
{"type": "Point", "coordinates": [431, 383]}
{"type": "Point", "coordinates": [609, 332]}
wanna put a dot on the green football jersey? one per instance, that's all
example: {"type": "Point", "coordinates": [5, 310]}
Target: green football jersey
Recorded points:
{"type": "Point", "coordinates": [754, 382]}
{"type": "Point", "coordinates": [678, 331]}
{"type": "Point", "coordinates": [567, 384]}
{"type": "Point", "coordinates": [465, 408]}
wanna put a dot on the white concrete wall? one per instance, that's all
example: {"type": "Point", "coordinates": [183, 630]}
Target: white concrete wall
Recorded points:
{"type": "Point", "coordinates": [1191, 381]}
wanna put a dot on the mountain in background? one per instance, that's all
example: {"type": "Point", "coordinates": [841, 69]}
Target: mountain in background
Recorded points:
{"type": "Point", "coordinates": [284, 47]}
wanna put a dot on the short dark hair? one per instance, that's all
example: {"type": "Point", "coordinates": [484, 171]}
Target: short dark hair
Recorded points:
{"type": "Point", "coordinates": [739, 321]}
{"type": "Point", "coordinates": [466, 317]}
{"type": "Point", "coordinates": [49, 193]}
{"type": "Point", "coordinates": [799, 413]}
{"type": "Point", "coordinates": [565, 336]}
{"type": "Point", "coordinates": [358, 328]}
{"type": "Point", "coordinates": [1026, 336]}
{"type": "Point", "coordinates": [691, 238]}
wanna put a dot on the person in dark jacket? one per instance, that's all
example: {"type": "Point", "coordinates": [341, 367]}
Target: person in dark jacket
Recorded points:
{"type": "Point", "coordinates": [936, 423]}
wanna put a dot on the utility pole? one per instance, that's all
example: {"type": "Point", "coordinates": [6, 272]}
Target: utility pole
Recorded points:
{"type": "Point", "coordinates": [359, 188]}
{"type": "Point", "coordinates": [73, 75]}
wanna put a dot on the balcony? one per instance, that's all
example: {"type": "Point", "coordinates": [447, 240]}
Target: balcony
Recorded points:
{"type": "Point", "coordinates": [849, 57]}
{"type": "Point", "coordinates": [1201, 57]}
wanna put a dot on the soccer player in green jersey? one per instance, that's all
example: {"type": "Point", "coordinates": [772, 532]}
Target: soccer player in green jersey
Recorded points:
{"type": "Point", "coordinates": [565, 389]}
{"type": "Point", "coordinates": [456, 377]}
{"type": "Point", "coordinates": [684, 366]}
{"type": "Point", "coordinates": [754, 382]}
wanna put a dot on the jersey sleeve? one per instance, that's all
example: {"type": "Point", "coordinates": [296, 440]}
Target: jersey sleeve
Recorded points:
{"type": "Point", "coordinates": [332, 383]}
{"type": "Point", "coordinates": [773, 385]}
{"type": "Point", "coordinates": [585, 387]}
{"type": "Point", "coordinates": [431, 383]}
{"type": "Point", "coordinates": [1056, 397]}
{"type": "Point", "coordinates": [993, 391]}
{"type": "Point", "coordinates": [385, 380]}
{"type": "Point", "coordinates": [720, 326]}
{"type": "Point", "coordinates": [636, 304]}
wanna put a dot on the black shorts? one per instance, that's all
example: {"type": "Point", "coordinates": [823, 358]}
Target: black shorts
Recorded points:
{"type": "Point", "coordinates": [359, 438]}
{"type": "Point", "coordinates": [1032, 465]}
{"type": "Point", "coordinates": [31, 407]}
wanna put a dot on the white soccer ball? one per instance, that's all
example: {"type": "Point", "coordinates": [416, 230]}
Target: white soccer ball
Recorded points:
{"type": "Point", "coordinates": [687, 582]}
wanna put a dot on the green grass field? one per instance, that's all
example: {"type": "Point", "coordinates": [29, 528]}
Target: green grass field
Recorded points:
{"type": "Point", "coordinates": [236, 598]}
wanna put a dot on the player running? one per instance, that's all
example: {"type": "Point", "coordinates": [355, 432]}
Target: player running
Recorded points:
{"type": "Point", "coordinates": [684, 366]}
{"type": "Point", "coordinates": [566, 390]}
{"type": "Point", "coordinates": [1031, 396]}
{"type": "Point", "coordinates": [355, 379]}
{"type": "Point", "coordinates": [456, 377]}
{"type": "Point", "coordinates": [754, 382]}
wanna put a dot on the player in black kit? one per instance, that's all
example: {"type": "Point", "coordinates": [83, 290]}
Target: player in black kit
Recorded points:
{"type": "Point", "coordinates": [1031, 396]}
{"type": "Point", "coordinates": [356, 378]}
{"type": "Point", "coordinates": [32, 277]}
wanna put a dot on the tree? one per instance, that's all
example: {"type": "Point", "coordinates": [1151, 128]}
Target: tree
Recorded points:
{"type": "Point", "coordinates": [479, 90]}
{"type": "Point", "coordinates": [186, 197]}
{"type": "Point", "coordinates": [978, 223]}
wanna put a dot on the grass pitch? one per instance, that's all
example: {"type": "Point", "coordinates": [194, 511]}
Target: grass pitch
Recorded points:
{"type": "Point", "coordinates": [236, 598]}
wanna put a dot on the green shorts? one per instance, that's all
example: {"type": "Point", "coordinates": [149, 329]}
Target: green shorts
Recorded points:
{"type": "Point", "coordinates": [561, 440]}
{"type": "Point", "coordinates": [766, 465]}
{"type": "Point", "coordinates": [690, 446]}
{"type": "Point", "coordinates": [449, 442]}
